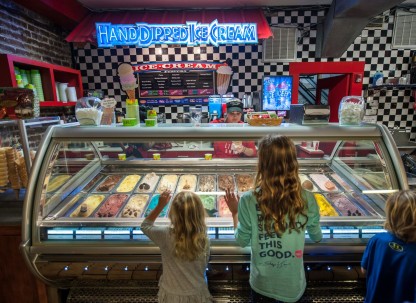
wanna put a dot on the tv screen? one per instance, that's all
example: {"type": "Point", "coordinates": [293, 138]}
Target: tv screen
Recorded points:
{"type": "Point", "coordinates": [276, 92]}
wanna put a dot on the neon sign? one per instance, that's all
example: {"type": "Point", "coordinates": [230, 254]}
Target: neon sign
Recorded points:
{"type": "Point", "coordinates": [191, 33]}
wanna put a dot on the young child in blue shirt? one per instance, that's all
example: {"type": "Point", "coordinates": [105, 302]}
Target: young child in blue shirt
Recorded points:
{"type": "Point", "coordinates": [272, 219]}
{"type": "Point", "coordinates": [390, 258]}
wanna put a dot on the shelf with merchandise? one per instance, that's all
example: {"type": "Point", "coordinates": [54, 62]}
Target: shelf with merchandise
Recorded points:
{"type": "Point", "coordinates": [50, 75]}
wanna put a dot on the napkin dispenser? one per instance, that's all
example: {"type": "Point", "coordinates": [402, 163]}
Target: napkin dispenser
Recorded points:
{"type": "Point", "coordinates": [316, 114]}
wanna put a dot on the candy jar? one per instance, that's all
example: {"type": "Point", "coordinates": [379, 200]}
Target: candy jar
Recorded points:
{"type": "Point", "coordinates": [351, 110]}
{"type": "Point", "coordinates": [88, 111]}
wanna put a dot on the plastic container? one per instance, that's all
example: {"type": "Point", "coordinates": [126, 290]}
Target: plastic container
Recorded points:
{"type": "Point", "coordinates": [351, 110]}
{"type": "Point", "coordinates": [378, 78]}
{"type": "Point", "coordinates": [88, 111]}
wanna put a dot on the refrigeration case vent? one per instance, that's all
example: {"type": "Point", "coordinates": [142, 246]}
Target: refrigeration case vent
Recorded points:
{"type": "Point", "coordinates": [404, 35]}
{"type": "Point", "coordinates": [282, 46]}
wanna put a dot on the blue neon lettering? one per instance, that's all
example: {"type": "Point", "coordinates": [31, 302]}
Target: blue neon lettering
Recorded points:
{"type": "Point", "coordinates": [192, 33]}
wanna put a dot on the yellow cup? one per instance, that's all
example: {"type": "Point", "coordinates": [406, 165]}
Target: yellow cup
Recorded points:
{"type": "Point", "coordinates": [156, 156]}
{"type": "Point", "coordinates": [122, 157]}
{"type": "Point", "coordinates": [208, 156]}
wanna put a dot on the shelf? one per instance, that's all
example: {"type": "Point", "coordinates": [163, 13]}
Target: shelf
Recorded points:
{"type": "Point", "coordinates": [51, 74]}
{"type": "Point", "coordinates": [55, 103]}
{"type": "Point", "coordinates": [392, 86]}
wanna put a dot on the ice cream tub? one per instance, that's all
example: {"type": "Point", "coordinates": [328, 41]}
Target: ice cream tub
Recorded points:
{"type": "Point", "coordinates": [323, 182]}
{"type": "Point", "coordinates": [223, 209]}
{"type": "Point", "coordinates": [135, 206]}
{"type": "Point", "coordinates": [208, 156]}
{"type": "Point", "coordinates": [187, 182]}
{"type": "Point", "coordinates": [363, 201]}
{"type": "Point", "coordinates": [108, 184]}
{"type": "Point", "coordinates": [128, 183]}
{"type": "Point", "coordinates": [56, 182]}
{"type": "Point", "coordinates": [156, 156]}
{"type": "Point", "coordinates": [86, 207]}
{"type": "Point", "coordinates": [325, 208]}
{"type": "Point", "coordinates": [111, 206]}
{"type": "Point", "coordinates": [167, 182]}
{"type": "Point", "coordinates": [210, 205]}
{"type": "Point", "coordinates": [93, 182]}
{"type": "Point", "coordinates": [153, 203]}
{"type": "Point", "coordinates": [307, 184]}
{"type": "Point", "coordinates": [207, 183]}
{"type": "Point", "coordinates": [245, 182]}
{"type": "Point", "coordinates": [225, 182]}
{"type": "Point", "coordinates": [344, 205]}
{"type": "Point", "coordinates": [148, 183]}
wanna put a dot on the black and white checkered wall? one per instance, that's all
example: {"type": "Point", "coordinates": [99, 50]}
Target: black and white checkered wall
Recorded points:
{"type": "Point", "coordinates": [395, 108]}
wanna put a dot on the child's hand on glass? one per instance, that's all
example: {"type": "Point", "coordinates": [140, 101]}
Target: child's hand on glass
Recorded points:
{"type": "Point", "coordinates": [232, 201]}
{"type": "Point", "coordinates": [164, 198]}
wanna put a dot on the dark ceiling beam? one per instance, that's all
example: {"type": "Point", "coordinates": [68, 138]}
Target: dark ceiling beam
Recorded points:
{"type": "Point", "coordinates": [345, 21]}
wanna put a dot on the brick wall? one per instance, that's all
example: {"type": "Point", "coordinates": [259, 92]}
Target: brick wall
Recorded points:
{"type": "Point", "coordinates": [27, 34]}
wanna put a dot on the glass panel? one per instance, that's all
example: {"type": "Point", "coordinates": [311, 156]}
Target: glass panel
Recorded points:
{"type": "Point", "coordinates": [93, 190]}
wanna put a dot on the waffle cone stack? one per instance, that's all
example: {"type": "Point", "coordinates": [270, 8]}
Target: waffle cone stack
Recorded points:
{"type": "Point", "coordinates": [4, 173]}
{"type": "Point", "coordinates": [22, 170]}
{"type": "Point", "coordinates": [12, 168]}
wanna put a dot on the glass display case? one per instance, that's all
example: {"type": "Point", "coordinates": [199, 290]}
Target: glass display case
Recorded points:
{"type": "Point", "coordinates": [19, 141]}
{"type": "Point", "coordinates": [91, 186]}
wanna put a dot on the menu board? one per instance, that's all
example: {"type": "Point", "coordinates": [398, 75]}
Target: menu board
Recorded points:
{"type": "Point", "coordinates": [175, 84]}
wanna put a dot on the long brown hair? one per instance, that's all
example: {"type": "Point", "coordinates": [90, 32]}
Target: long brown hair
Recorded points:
{"type": "Point", "coordinates": [401, 215]}
{"type": "Point", "coordinates": [278, 187]}
{"type": "Point", "coordinates": [189, 230]}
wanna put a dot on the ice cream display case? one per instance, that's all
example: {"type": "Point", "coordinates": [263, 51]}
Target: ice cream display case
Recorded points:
{"type": "Point", "coordinates": [86, 197]}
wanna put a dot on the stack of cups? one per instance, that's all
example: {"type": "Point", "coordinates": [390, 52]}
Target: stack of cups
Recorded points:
{"type": "Point", "coordinates": [57, 91]}
{"type": "Point", "coordinates": [37, 82]}
{"type": "Point", "coordinates": [62, 92]}
{"type": "Point", "coordinates": [71, 94]}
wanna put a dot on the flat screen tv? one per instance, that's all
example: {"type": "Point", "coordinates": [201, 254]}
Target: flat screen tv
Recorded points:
{"type": "Point", "coordinates": [276, 93]}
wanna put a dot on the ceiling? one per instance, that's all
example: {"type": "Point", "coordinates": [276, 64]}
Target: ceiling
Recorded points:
{"type": "Point", "coordinates": [98, 5]}
{"type": "Point", "coordinates": [344, 19]}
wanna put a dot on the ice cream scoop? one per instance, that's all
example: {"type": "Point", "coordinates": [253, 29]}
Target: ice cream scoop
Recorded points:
{"type": "Point", "coordinates": [127, 80]}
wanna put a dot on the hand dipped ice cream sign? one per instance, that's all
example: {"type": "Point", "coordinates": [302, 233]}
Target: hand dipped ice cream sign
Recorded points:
{"type": "Point", "coordinates": [191, 33]}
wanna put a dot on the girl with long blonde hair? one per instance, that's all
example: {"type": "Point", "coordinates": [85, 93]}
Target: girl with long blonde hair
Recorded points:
{"type": "Point", "coordinates": [273, 218]}
{"type": "Point", "coordinates": [184, 247]}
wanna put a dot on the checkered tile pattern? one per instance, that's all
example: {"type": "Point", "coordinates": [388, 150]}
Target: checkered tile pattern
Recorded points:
{"type": "Point", "coordinates": [99, 66]}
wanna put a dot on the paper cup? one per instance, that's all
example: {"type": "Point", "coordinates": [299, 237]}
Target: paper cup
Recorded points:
{"type": "Point", "coordinates": [156, 156]}
{"type": "Point", "coordinates": [150, 122]}
{"type": "Point", "coordinates": [208, 156]}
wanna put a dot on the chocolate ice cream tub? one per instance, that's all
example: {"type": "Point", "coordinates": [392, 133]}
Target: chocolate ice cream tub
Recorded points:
{"type": "Point", "coordinates": [108, 184]}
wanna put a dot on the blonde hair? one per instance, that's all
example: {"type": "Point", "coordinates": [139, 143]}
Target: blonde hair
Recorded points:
{"type": "Point", "coordinates": [401, 215]}
{"type": "Point", "coordinates": [189, 230]}
{"type": "Point", "coordinates": [278, 185]}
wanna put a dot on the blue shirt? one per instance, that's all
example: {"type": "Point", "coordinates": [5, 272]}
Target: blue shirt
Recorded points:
{"type": "Point", "coordinates": [391, 269]}
{"type": "Point", "coordinates": [276, 261]}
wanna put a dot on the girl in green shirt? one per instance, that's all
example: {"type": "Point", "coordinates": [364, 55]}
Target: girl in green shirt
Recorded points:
{"type": "Point", "coordinates": [273, 218]}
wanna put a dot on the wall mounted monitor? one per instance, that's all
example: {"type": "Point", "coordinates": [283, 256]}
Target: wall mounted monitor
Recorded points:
{"type": "Point", "coordinates": [276, 93]}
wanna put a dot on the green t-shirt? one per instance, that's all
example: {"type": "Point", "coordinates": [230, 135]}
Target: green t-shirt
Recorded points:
{"type": "Point", "coordinates": [276, 262]}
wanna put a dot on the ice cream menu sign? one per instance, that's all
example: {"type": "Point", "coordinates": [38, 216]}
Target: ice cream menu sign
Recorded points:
{"type": "Point", "coordinates": [176, 82]}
